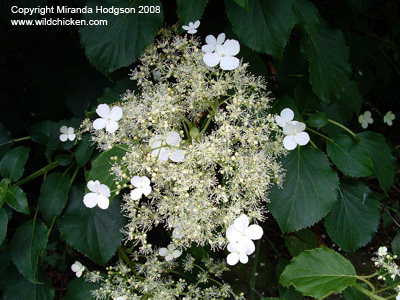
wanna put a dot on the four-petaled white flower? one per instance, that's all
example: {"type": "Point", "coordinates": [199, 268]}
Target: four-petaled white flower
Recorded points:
{"type": "Point", "coordinates": [295, 135]}
{"type": "Point", "coordinates": [78, 268]}
{"type": "Point", "coordinates": [170, 252]}
{"type": "Point", "coordinates": [213, 42]}
{"type": "Point", "coordinates": [382, 251]}
{"type": "Point", "coordinates": [108, 118]}
{"type": "Point", "coordinates": [240, 236]}
{"type": "Point", "coordinates": [172, 138]}
{"type": "Point", "coordinates": [224, 55]}
{"type": "Point", "coordinates": [67, 133]}
{"type": "Point", "coordinates": [99, 195]}
{"type": "Point", "coordinates": [142, 185]}
{"type": "Point", "coordinates": [192, 27]}
{"type": "Point", "coordinates": [389, 117]}
{"type": "Point", "coordinates": [285, 118]}
{"type": "Point", "coordinates": [365, 119]}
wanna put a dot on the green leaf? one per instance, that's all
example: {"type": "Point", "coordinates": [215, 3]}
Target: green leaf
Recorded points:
{"type": "Point", "coordinates": [3, 224]}
{"type": "Point", "coordinates": [40, 132]}
{"type": "Point", "coordinates": [84, 151]}
{"type": "Point", "coordinates": [16, 199]}
{"type": "Point", "coordinates": [79, 289]}
{"type": "Point", "coordinates": [351, 97]}
{"type": "Point", "coordinates": [350, 156]}
{"type": "Point", "coordinates": [266, 26]}
{"type": "Point", "coordinates": [12, 165]}
{"type": "Point", "coordinates": [16, 287]}
{"type": "Point", "coordinates": [54, 195]}
{"type": "Point", "coordinates": [6, 140]}
{"type": "Point", "coordinates": [354, 217]}
{"type": "Point", "coordinates": [307, 15]}
{"type": "Point", "coordinates": [328, 56]}
{"type": "Point", "coordinates": [63, 159]}
{"type": "Point", "coordinates": [318, 120]}
{"type": "Point", "coordinates": [383, 161]}
{"type": "Point", "coordinates": [352, 293]}
{"type": "Point", "coordinates": [190, 10]}
{"type": "Point", "coordinates": [113, 94]}
{"type": "Point", "coordinates": [124, 38]}
{"type": "Point", "coordinates": [243, 3]}
{"type": "Point", "coordinates": [303, 240]}
{"type": "Point", "coordinates": [308, 192]}
{"type": "Point", "coordinates": [94, 232]}
{"type": "Point", "coordinates": [29, 240]}
{"type": "Point", "coordinates": [101, 169]}
{"type": "Point", "coordinates": [4, 187]}
{"type": "Point", "coordinates": [396, 244]}
{"type": "Point", "coordinates": [319, 272]}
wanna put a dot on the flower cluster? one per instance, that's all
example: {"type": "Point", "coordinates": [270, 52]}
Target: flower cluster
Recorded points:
{"type": "Point", "coordinates": [293, 130]}
{"type": "Point", "coordinates": [201, 150]}
{"type": "Point", "coordinates": [386, 261]}
{"type": "Point", "coordinates": [366, 118]}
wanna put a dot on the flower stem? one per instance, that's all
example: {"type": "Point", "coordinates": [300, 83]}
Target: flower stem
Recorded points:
{"type": "Point", "coordinates": [320, 134]}
{"type": "Point", "coordinates": [22, 139]}
{"type": "Point", "coordinates": [343, 127]}
{"type": "Point", "coordinates": [370, 294]}
{"type": "Point", "coordinates": [253, 271]}
{"type": "Point", "coordinates": [38, 173]}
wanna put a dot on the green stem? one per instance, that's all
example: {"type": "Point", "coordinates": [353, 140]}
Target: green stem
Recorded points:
{"type": "Point", "coordinates": [127, 260]}
{"type": "Point", "coordinates": [370, 294]}
{"type": "Point", "coordinates": [343, 127]}
{"type": "Point", "coordinates": [320, 134]}
{"type": "Point", "coordinates": [74, 175]}
{"type": "Point", "coordinates": [38, 173]}
{"type": "Point", "coordinates": [22, 139]}
{"type": "Point", "coordinates": [367, 282]}
{"type": "Point", "coordinates": [313, 144]}
{"type": "Point", "coordinates": [51, 227]}
{"type": "Point", "coordinates": [253, 271]}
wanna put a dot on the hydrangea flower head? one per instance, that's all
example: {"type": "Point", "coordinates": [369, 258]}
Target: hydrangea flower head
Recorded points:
{"type": "Point", "coordinates": [108, 118]}
{"type": "Point", "coordinates": [389, 117]}
{"type": "Point", "coordinates": [192, 27]}
{"type": "Point", "coordinates": [286, 116]}
{"type": "Point", "coordinates": [170, 252]}
{"type": "Point", "coordinates": [213, 42]}
{"type": "Point", "coordinates": [295, 135]}
{"type": "Point", "coordinates": [78, 268]}
{"type": "Point", "coordinates": [99, 195]}
{"type": "Point", "coordinates": [67, 133]}
{"type": "Point", "coordinates": [224, 55]}
{"type": "Point", "coordinates": [365, 119]}
{"type": "Point", "coordinates": [142, 185]}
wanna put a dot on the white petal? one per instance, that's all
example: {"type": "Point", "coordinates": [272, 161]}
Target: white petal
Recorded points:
{"type": "Point", "coordinates": [186, 27]}
{"type": "Point", "coordinates": [212, 59]}
{"type": "Point", "coordinates": [157, 142]}
{"type": "Point", "coordinates": [172, 138]}
{"type": "Point", "coordinates": [71, 137]}
{"type": "Point", "coordinates": [104, 190]}
{"type": "Point", "coordinates": [176, 253]}
{"type": "Point", "coordinates": [208, 48]}
{"type": "Point", "coordinates": [93, 186]}
{"type": "Point", "coordinates": [163, 251]}
{"type": "Point", "coordinates": [76, 266]}
{"type": "Point", "coordinates": [70, 130]}
{"type": "Point", "coordinates": [79, 273]}
{"type": "Point", "coordinates": [302, 138]}
{"type": "Point", "coordinates": [192, 31]}
{"type": "Point", "coordinates": [103, 111]}
{"type": "Point", "coordinates": [116, 113]}
{"type": "Point", "coordinates": [146, 190]}
{"type": "Point", "coordinates": [289, 129]}
{"type": "Point", "coordinates": [232, 259]}
{"type": "Point", "coordinates": [220, 38]}
{"type": "Point", "coordinates": [111, 126]}
{"type": "Point", "coordinates": [254, 232]}
{"type": "Point", "coordinates": [232, 234]}
{"type": "Point", "coordinates": [136, 181]}
{"type": "Point", "coordinates": [231, 47]}
{"type": "Point", "coordinates": [103, 202]}
{"type": "Point", "coordinates": [367, 114]}
{"type": "Point", "coordinates": [196, 24]}
{"type": "Point", "coordinates": [232, 247]}
{"type": "Point", "coordinates": [64, 129]}
{"type": "Point", "coordinates": [248, 245]}
{"type": "Point", "coordinates": [241, 223]}
{"type": "Point", "coordinates": [211, 40]}
{"type": "Point", "coordinates": [229, 63]}
{"type": "Point", "coordinates": [243, 258]}
{"type": "Point", "coordinates": [280, 121]}
{"type": "Point", "coordinates": [99, 123]}
{"type": "Point", "coordinates": [177, 233]}
{"type": "Point", "coordinates": [289, 142]}
{"type": "Point", "coordinates": [287, 114]}
{"type": "Point", "coordinates": [163, 156]}
{"type": "Point", "coordinates": [63, 137]}
{"type": "Point", "coordinates": [169, 257]}
{"type": "Point", "coordinates": [90, 200]}
{"type": "Point", "coordinates": [177, 155]}
{"type": "Point", "coordinates": [299, 127]}
{"type": "Point", "coordinates": [145, 181]}
{"type": "Point", "coordinates": [136, 194]}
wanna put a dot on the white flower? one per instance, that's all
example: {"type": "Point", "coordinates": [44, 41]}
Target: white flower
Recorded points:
{"type": "Point", "coordinates": [142, 185]}
{"type": "Point", "coordinates": [78, 268]}
{"type": "Point", "coordinates": [108, 118]}
{"type": "Point", "coordinates": [99, 195]}
{"type": "Point", "coordinates": [67, 133]}
{"type": "Point", "coordinates": [295, 135]}
{"type": "Point", "coordinates": [213, 42]}
{"type": "Point", "coordinates": [177, 233]}
{"type": "Point", "coordinates": [172, 138]}
{"type": "Point", "coordinates": [238, 252]}
{"type": "Point", "coordinates": [192, 28]}
{"type": "Point", "coordinates": [170, 252]}
{"type": "Point", "coordinates": [382, 251]}
{"type": "Point", "coordinates": [241, 232]}
{"type": "Point", "coordinates": [285, 118]}
{"type": "Point", "coordinates": [120, 298]}
{"type": "Point", "coordinates": [398, 296]}
{"type": "Point", "coordinates": [388, 118]}
{"type": "Point", "coordinates": [365, 119]}
{"type": "Point", "coordinates": [157, 75]}
{"type": "Point", "coordinates": [224, 55]}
